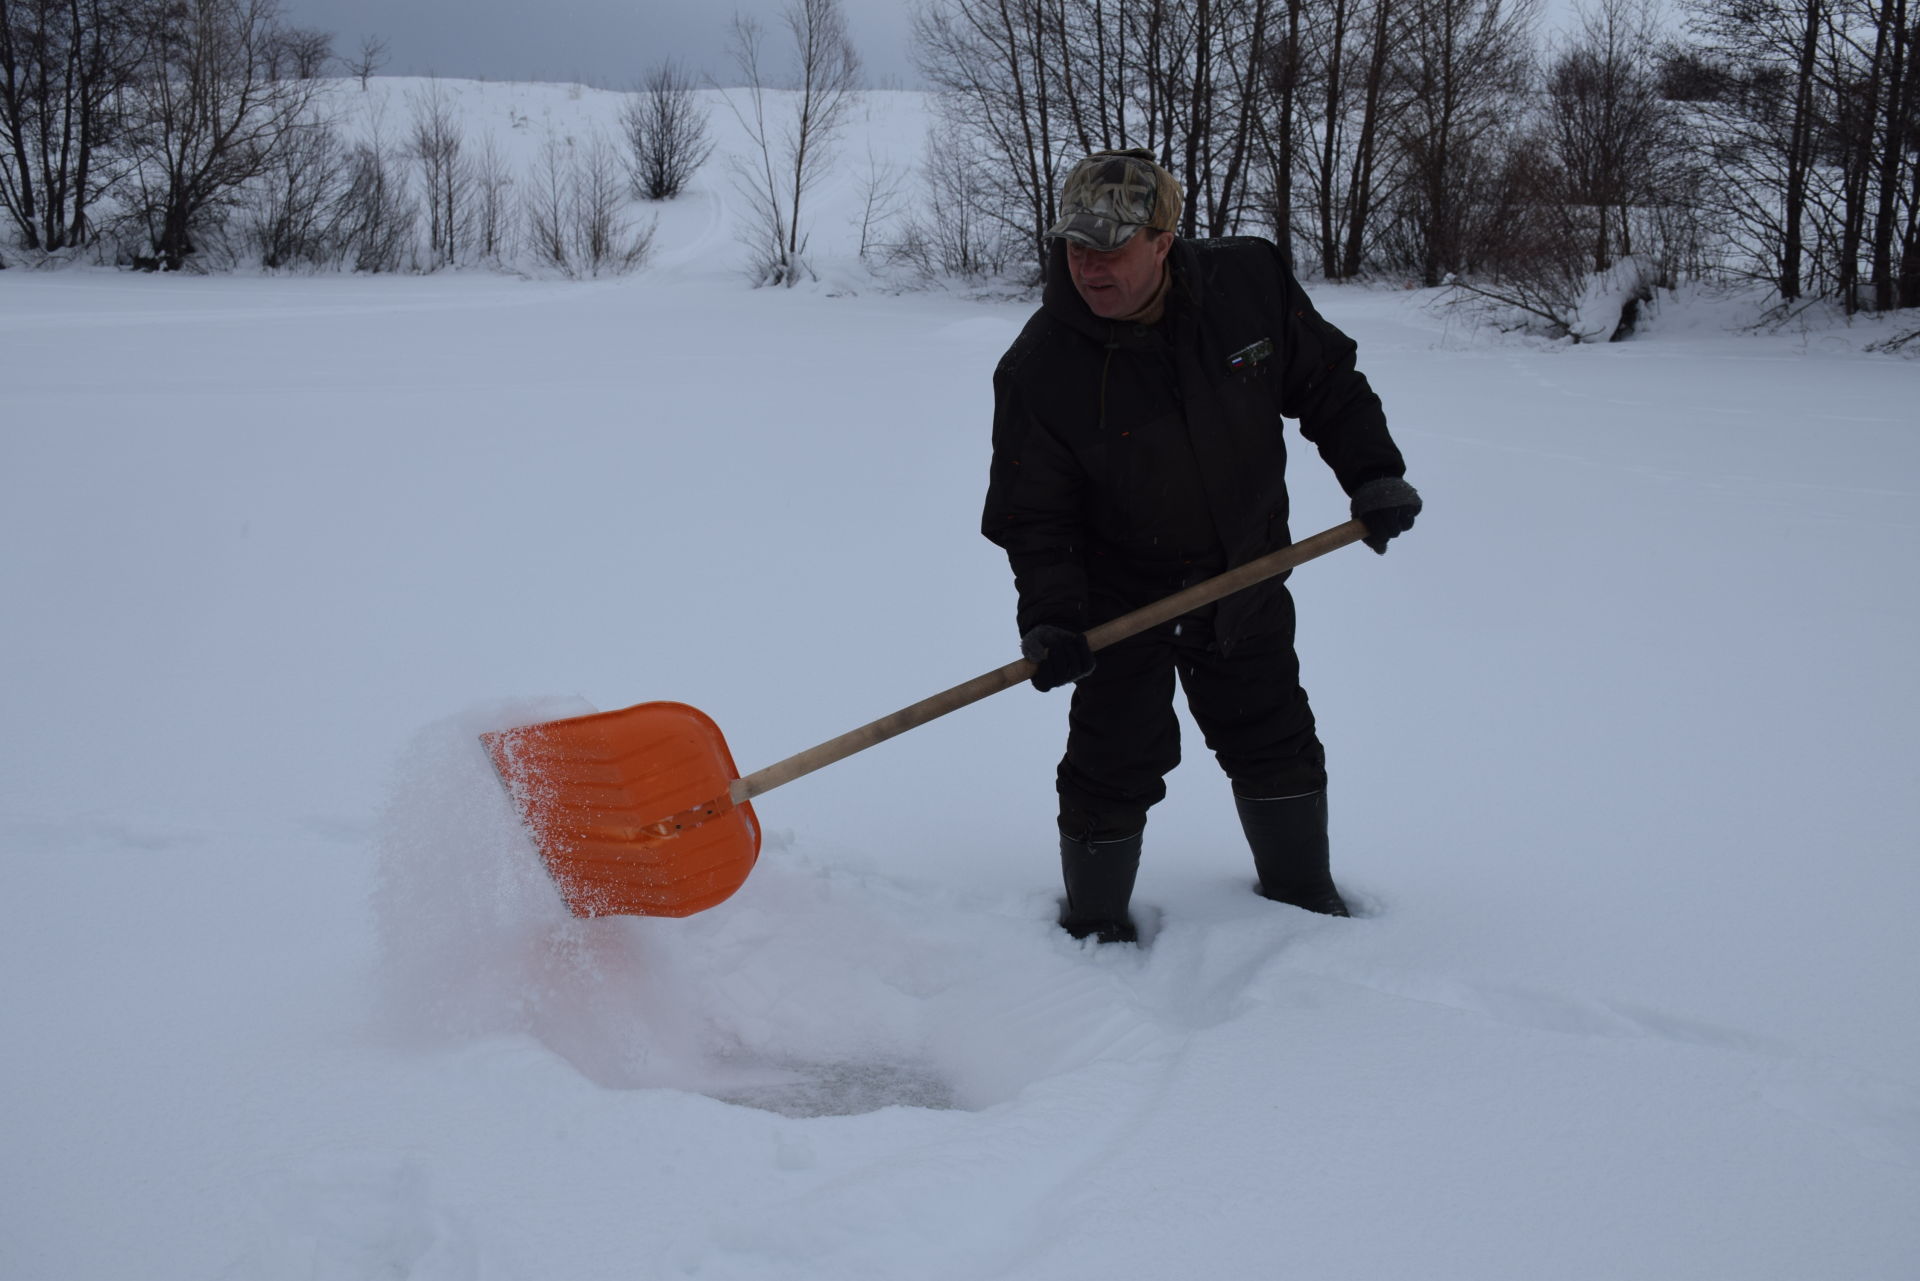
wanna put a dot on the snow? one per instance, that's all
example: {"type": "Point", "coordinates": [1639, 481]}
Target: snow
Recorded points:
{"type": "Point", "coordinates": [1602, 306]}
{"type": "Point", "coordinates": [1622, 739]}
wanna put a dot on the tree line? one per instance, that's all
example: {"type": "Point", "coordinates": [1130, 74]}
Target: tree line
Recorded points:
{"type": "Point", "coordinates": [177, 132]}
{"type": "Point", "coordinates": [1447, 140]}
{"type": "Point", "coordinates": [1437, 141]}
{"type": "Point", "coordinates": [169, 132]}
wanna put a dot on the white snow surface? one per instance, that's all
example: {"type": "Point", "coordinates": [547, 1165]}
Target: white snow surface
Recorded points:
{"type": "Point", "coordinates": [1622, 739]}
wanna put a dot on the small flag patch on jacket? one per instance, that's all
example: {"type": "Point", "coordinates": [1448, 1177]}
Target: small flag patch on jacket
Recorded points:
{"type": "Point", "coordinates": [1250, 355]}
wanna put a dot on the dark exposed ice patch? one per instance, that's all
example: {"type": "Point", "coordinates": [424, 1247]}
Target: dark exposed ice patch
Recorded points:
{"type": "Point", "coordinates": [843, 1089]}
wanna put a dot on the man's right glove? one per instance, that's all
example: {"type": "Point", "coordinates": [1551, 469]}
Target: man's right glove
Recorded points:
{"type": "Point", "coordinates": [1387, 507]}
{"type": "Point", "coordinates": [1060, 657]}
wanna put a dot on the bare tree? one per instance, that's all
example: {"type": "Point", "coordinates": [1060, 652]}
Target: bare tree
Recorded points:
{"type": "Point", "coordinates": [1898, 285]}
{"type": "Point", "coordinates": [366, 64]}
{"type": "Point", "coordinates": [378, 215]}
{"type": "Point", "coordinates": [791, 156]}
{"type": "Point", "coordinates": [1383, 132]}
{"type": "Point", "coordinates": [1324, 62]}
{"type": "Point", "coordinates": [294, 211]}
{"type": "Point", "coordinates": [1378, 119]}
{"type": "Point", "coordinates": [666, 133]}
{"type": "Point", "coordinates": [65, 67]}
{"type": "Point", "coordinates": [1538, 272]}
{"type": "Point", "coordinates": [756, 175]}
{"type": "Point", "coordinates": [962, 232]}
{"type": "Point", "coordinates": [299, 53]}
{"type": "Point", "coordinates": [603, 238]}
{"type": "Point", "coordinates": [828, 75]}
{"type": "Point", "coordinates": [212, 117]}
{"type": "Point", "coordinates": [987, 59]}
{"type": "Point", "coordinates": [1612, 134]}
{"type": "Point", "coordinates": [493, 222]}
{"type": "Point", "coordinates": [1766, 130]}
{"type": "Point", "coordinates": [882, 192]}
{"type": "Point", "coordinates": [1800, 148]}
{"type": "Point", "coordinates": [382, 216]}
{"type": "Point", "coordinates": [446, 177]}
{"type": "Point", "coordinates": [1570, 228]}
{"type": "Point", "coordinates": [1280, 68]}
{"type": "Point", "coordinates": [1464, 67]}
{"type": "Point", "coordinates": [575, 210]}
{"type": "Point", "coordinates": [1869, 62]}
{"type": "Point", "coordinates": [1350, 104]}
{"type": "Point", "coordinates": [1210, 86]}
{"type": "Point", "coordinates": [1217, 79]}
{"type": "Point", "coordinates": [547, 196]}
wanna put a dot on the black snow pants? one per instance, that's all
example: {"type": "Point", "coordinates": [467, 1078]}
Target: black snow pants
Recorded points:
{"type": "Point", "coordinates": [1123, 735]}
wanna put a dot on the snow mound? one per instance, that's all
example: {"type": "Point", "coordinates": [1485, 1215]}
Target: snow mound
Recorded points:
{"type": "Point", "coordinates": [1608, 309]}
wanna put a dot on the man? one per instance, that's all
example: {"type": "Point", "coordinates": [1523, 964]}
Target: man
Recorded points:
{"type": "Point", "coordinates": [1137, 450]}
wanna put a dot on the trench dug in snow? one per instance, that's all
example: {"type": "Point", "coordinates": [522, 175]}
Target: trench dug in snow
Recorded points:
{"type": "Point", "coordinates": [817, 990]}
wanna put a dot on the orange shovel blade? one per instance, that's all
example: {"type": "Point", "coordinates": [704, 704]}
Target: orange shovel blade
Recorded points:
{"type": "Point", "coordinates": [631, 809]}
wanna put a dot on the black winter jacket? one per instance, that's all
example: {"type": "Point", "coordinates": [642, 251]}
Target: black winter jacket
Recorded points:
{"type": "Point", "coordinates": [1130, 461]}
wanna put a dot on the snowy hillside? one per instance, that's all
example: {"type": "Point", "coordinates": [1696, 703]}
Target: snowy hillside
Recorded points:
{"type": "Point", "coordinates": [516, 124]}
{"type": "Point", "coordinates": [1622, 740]}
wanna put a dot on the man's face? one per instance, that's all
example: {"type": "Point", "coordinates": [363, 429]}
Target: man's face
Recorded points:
{"type": "Point", "coordinates": [1119, 283]}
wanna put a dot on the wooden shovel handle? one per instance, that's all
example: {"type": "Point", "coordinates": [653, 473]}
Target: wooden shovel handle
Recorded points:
{"type": "Point", "coordinates": [1161, 611]}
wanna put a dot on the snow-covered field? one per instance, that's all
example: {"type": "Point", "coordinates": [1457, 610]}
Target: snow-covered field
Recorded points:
{"type": "Point", "coordinates": [1622, 736]}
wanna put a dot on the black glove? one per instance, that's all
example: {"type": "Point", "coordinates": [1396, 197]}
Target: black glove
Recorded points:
{"type": "Point", "coordinates": [1387, 507]}
{"type": "Point", "coordinates": [1060, 656]}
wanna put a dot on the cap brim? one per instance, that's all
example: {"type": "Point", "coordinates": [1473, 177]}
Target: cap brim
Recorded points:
{"type": "Point", "coordinates": [1093, 231]}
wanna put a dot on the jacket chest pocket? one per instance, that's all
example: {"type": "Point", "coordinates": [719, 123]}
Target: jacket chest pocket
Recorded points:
{"type": "Point", "coordinates": [1249, 392]}
{"type": "Point", "coordinates": [1244, 379]}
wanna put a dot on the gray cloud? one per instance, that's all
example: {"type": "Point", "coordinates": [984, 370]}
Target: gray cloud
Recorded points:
{"type": "Point", "coordinates": [605, 43]}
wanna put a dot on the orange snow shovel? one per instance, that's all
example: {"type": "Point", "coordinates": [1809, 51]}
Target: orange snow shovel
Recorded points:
{"type": "Point", "coordinates": [641, 812]}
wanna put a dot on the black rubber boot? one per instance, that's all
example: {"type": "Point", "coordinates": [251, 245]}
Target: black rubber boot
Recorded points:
{"type": "Point", "coordinates": [1288, 835]}
{"type": "Point", "coordinates": [1099, 877]}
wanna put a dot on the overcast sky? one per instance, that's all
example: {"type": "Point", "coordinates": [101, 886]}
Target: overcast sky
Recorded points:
{"type": "Point", "coordinates": [605, 43]}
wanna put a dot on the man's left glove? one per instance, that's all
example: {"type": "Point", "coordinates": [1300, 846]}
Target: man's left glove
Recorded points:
{"type": "Point", "coordinates": [1060, 656]}
{"type": "Point", "coordinates": [1387, 507]}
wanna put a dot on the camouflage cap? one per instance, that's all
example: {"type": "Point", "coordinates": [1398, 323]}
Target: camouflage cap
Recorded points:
{"type": "Point", "coordinates": [1112, 194]}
